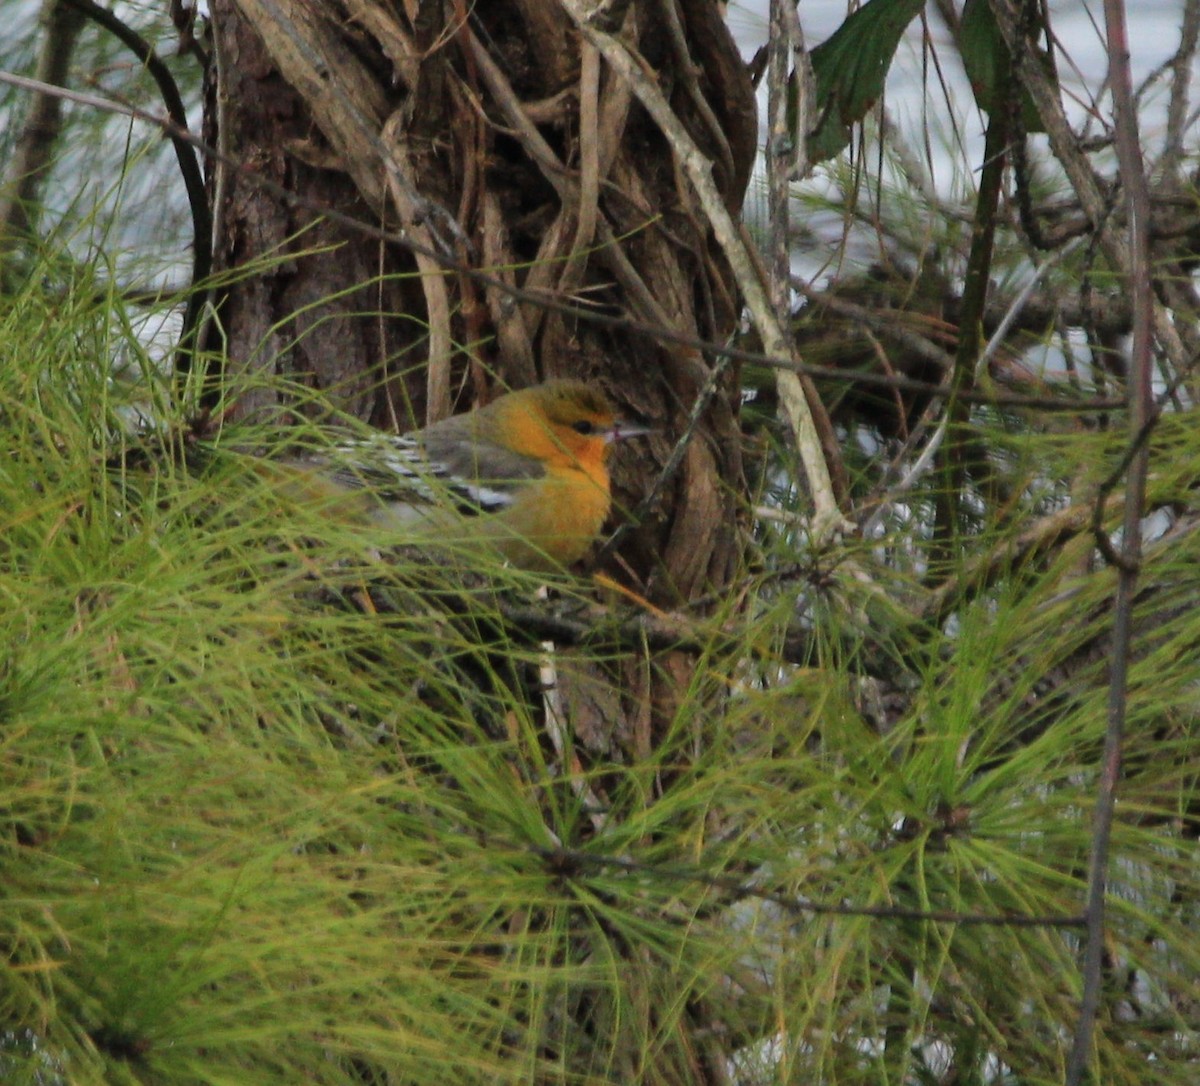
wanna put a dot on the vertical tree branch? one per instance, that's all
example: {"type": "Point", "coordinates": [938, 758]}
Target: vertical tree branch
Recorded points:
{"type": "Point", "coordinates": [1137, 203]}
{"type": "Point", "coordinates": [30, 163]}
{"type": "Point", "coordinates": [974, 304]}
{"type": "Point", "coordinates": [787, 161]}
{"type": "Point", "coordinates": [1181, 78]}
{"type": "Point", "coordinates": [778, 159]}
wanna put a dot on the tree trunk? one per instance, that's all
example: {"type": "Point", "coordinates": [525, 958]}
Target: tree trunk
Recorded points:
{"type": "Point", "coordinates": [492, 138]}
{"type": "Point", "coordinates": [490, 135]}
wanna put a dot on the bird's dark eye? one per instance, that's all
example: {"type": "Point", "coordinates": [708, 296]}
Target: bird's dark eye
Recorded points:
{"type": "Point", "coordinates": [583, 426]}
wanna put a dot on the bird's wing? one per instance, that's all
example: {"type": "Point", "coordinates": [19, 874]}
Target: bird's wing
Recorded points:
{"type": "Point", "coordinates": [462, 448]}
{"type": "Point", "coordinates": [429, 467]}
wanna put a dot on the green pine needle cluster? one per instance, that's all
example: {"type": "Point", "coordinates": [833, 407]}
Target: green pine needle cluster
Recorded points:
{"type": "Point", "coordinates": [276, 808]}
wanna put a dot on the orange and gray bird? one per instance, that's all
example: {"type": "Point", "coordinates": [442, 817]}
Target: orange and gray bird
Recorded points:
{"type": "Point", "coordinates": [529, 471]}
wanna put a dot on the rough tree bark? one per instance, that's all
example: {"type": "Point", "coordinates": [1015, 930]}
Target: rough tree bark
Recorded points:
{"type": "Point", "coordinates": [497, 137]}
{"type": "Point", "coordinates": [491, 133]}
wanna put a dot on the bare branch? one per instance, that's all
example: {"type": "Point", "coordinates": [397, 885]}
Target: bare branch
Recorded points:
{"type": "Point", "coordinates": [1181, 81]}
{"type": "Point", "coordinates": [1137, 202]}
{"type": "Point", "coordinates": [1067, 148]}
{"type": "Point", "coordinates": [34, 148]}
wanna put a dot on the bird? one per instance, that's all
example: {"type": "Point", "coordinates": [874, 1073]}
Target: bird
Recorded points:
{"type": "Point", "coordinates": [529, 471]}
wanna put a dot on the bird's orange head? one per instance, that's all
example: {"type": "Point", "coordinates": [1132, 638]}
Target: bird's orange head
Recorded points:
{"type": "Point", "coordinates": [568, 425]}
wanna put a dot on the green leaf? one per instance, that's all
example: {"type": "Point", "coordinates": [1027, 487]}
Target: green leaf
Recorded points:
{"type": "Point", "coordinates": [986, 60]}
{"type": "Point", "coordinates": [850, 68]}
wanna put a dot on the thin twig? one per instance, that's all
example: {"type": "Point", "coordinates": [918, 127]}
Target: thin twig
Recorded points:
{"type": "Point", "coordinates": [952, 458]}
{"type": "Point", "coordinates": [572, 861]}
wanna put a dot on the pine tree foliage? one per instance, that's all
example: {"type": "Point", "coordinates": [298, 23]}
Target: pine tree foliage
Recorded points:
{"type": "Point", "coordinates": [256, 829]}
{"type": "Point", "coordinates": [284, 801]}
